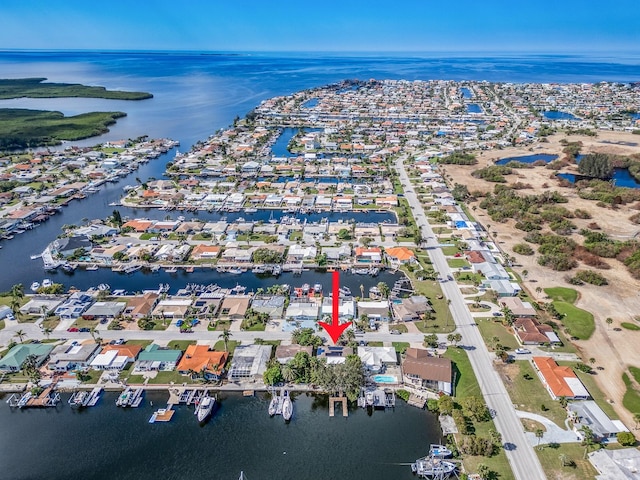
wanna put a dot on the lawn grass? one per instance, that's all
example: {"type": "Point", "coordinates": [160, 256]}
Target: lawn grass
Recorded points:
{"type": "Point", "coordinates": [489, 329]}
{"type": "Point", "coordinates": [219, 346]}
{"type": "Point", "coordinates": [142, 343]}
{"type": "Point", "coordinates": [631, 399]}
{"type": "Point", "coordinates": [450, 251]}
{"type": "Point", "coordinates": [457, 262]}
{"type": "Point", "coordinates": [170, 377]}
{"type": "Point", "coordinates": [528, 393]}
{"type": "Point", "coordinates": [630, 326]}
{"type": "Point", "coordinates": [50, 322]}
{"type": "Point", "coordinates": [400, 327]}
{"type": "Point", "coordinates": [466, 385]}
{"type": "Point", "coordinates": [180, 344]}
{"type": "Point", "coordinates": [562, 294]}
{"type": "Point", "coordinates": [400, 347]}
{"type": "Point", "coordinates": [549, 458]}
{"type": "Point", "coordinates": [375, 344]}
{"type": "Point", "coordinates": [2, 324]}
{"type": "Point", "coordinates": [82, 323]}
{"type": "Point", "coordinates": [444, 322]}
{"type": "Point", "coordinates": [579, 321]}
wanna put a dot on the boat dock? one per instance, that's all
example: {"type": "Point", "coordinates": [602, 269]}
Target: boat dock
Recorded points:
{"type": "Point", "coordinates": [162, 414]}
{"type": "Point", "coordinates": [339, 399]}
{"type": "Point", "coordinates": [377, 398]}
{"type": "Point", "coordinates": [94, 396]}
{"type": "Point", "coordinates": [188, 396]}
{"type": "Point", "coordinates": [48, 398]}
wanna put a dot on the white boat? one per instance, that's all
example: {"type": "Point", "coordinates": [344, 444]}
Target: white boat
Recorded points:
{"type": "Point", "coordinates": [124, 397]}
{"type": "Point", "coordinates": [91, 267]}
{"type": "Point", "coordinates": [204, 408]}
{"type": "Point", "coordinates": [345, 291]}
{"type": "Point", "coordinates": [317, 288]}
{"type": "Point", "coordinates": [104, 287]}
{"type": "Point", "coordinates": [238, 289]}
{"type": "Point", "coordinates": [440, 451]}
{"type": "Point", "coordinates": [46, 283]}
{"type": "Point", "coordinates": [287, 407]}
{"type": "Point", "coordinates": [273, 405]}
{"type": "Point", "coordinates": [431, 466]}
{"type": "Point", "coordinates": [79, 399]}
{"type": "Point", "coordinates": [35, 286]}
{"type": "Point", "coordinates": [236, 271]}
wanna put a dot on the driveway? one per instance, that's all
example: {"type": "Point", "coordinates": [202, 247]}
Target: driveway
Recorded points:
{"type": "Point", "coordinates": [554, 433]}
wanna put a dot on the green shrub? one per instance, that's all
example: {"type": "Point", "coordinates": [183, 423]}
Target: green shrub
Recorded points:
{"type": "Point", "coordinates": [589, 276]}
{"type": "Point", "coordinates": [523, 249]}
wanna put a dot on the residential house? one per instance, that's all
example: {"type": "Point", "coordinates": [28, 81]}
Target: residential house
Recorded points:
{"type": "Point", "coordinates": [285, 353]}
{"type": "Point", "coordinates": [300, 253]}
{"type": "Point", "coordinates": [15, 358]}
{"type": "Point", "coordinates": [249, 362]}
{"type": "Point", "coordinates": [531, 332]}
{"type": "Point", "coordinates": [115, 357]}
{"type": "Point", "coordinates": [623, 464]}
{"type": "Point", "coordinates": [67, 358]}
{"type": "Point", "coordinates": [397, 256]}
{"type": "Point", "coordinates": [272, 305]}
{"type": "Point", "coordinates": [39, 304]}
{"type": "Point", "coordinates": [234, 307]}
{"type": "Point", "coordinates": [66, 246]}
{"type": "Point", "coordinates": [375, 311]}
{"type": "Point", "coordinates": [376, 359]}
{"type": "Point", "coordinates": [202, 360]}
{"type": "Point", "coordinates": [560, 381]}
{"type": "Point", "coordinates": [204, 252]}
{"type": "Point", "coordinates": [518, 308]}
{"type": "Point", "coordinates": [346, 308]}
{"type": "Point", "coordinates": [74, 306]}
{"type": "Point", "coordinates": [100, 310]}
{"type": "Point", "coordinates": [424, 371]}
{"type": "Point", "coordinates": [141, 306]}
{"type": "Point", "coordinates": [587, 413]}
{"type": "Point", "coordinates": [371, 255]}
{"type": "Point", "coordinates": [334, 354]}
{"type": "Point", "coordinates": [172, 308]}
{"type": "Point", "coordinates": [410, 309]}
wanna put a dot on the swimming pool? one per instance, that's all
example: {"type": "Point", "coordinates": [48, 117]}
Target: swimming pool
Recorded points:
{"type": "Point", "coordinates": [385, 379]}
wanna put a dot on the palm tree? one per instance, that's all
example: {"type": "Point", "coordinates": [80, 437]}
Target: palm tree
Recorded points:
{"type": "Point", "coordinates": [47, 332]}
{"type": "Point", "coordinates": [288, 374]}
{"type": "Point", "coordinates": [362, 291]}
{"type": "Point", "coordinates": [20, 334]}
{"type": "Point", "coordinates": [609, 321]}
{"type": "Point", "coordinates": [384, 289]}
{"type": "Point", "coordinates": [538, 290]}
{"type": "Point", "coordinates": [225, 338]}
{"type": "Point", "coordinates": [636, 418]}
{"type": "Point", "coordinates": [525, 273]}
{"type": "Point", "coordinates": [539, 434]}
{"type": "Point", "coordinates": [17, 290]}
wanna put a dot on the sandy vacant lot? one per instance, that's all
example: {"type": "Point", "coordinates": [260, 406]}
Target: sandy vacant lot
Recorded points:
{"type": "Point", "coordinates": [613, 350]}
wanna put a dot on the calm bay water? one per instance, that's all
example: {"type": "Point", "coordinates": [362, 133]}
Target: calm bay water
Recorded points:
{"type": "Point", "coordinates": [107, 442]}
{"type": "Point", "coordinates": [194, 95]}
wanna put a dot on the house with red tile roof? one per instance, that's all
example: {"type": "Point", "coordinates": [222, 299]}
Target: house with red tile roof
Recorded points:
{"type": "Point", "coordinates": [560, 381]}
{"type": "Point", "coordinates": [202, 360]}
{"type": "Point", "coordinates": [399, 256]}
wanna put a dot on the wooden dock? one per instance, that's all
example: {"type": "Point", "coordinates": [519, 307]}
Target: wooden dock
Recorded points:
{"type": "Point", "coordinates": [417, 401]}
{"type": "Point", "coordinates": [332, 406]}
{"type": "Point", "coordinates": [163, 414]}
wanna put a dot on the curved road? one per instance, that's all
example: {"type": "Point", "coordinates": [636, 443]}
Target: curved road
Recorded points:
{"type": "Point", "coordinates": [524, 462]}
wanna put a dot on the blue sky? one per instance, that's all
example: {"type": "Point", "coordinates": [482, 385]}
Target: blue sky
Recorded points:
{"type": "Point", "coordinates": [556, 26]}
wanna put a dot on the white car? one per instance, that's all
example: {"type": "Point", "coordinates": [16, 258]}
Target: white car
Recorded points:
{"type": "Point", "coordinates": [522, 351]}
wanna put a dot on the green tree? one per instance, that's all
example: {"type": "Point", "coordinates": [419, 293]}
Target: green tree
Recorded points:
{"type": "Point", "coordinates": [20, 334]}
{"type": "Point", "coordinates": [626, 439]}
{"type": "Point", "coordinates": [225, 335]}
{"type": "Point", "coordinates": [384, 289]}
{"type": "Point", "coordinates": [431, 340]}
{"type": "Point", "coordinates": [539, 434]}
{"type": "Point", "coordinates": [596, 165]}
{"type": "Point", "coordinates": [30, 369]}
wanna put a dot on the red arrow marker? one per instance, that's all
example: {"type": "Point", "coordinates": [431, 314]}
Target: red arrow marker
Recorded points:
{"type": "Point", "coordinates": [336, 328]}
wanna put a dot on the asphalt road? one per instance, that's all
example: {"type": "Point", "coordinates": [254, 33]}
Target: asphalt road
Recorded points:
{"type": "Point", "coordinates": [524, 462]}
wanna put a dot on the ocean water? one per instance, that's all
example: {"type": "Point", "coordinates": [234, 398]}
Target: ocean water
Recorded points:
{"type": "Point", "coordinates": [196, 94]}
{"type": "Point", "coordinates": [108, 442]}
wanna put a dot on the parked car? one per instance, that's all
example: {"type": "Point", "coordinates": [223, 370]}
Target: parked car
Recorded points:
{"type": "Point", "coordinates": [497, 314]}
{"type": "Point", "coordinates": [395, 332]}
{"type": "Point", "coordinates": [85, 330]}
{"type": "Point", "coordinates": [72, 329]}
{"type": "Point", "coordinates": [522, 351]}
{"type": "Point", "coordinates": [179, 323]}
{"type": "Point", "coordinates": [103, 321]}
{"type": "Point", "coordinates": [10, 316]}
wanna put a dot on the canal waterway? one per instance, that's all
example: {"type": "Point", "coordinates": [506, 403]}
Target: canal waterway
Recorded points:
{"type": "Point", "coordinates": [108, 442]}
